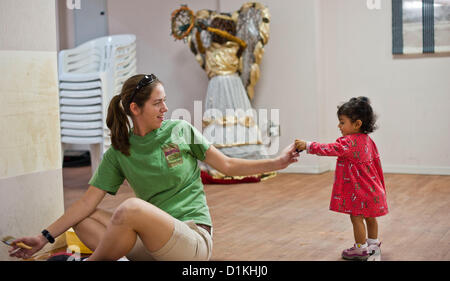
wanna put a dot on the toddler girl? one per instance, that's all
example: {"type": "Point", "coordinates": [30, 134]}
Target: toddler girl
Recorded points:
{"type": "Point", "coordinates": [358, 188]}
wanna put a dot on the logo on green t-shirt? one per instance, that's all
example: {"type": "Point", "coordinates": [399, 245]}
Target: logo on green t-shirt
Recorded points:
{"type": "Point", "coordinates": [172, 154]}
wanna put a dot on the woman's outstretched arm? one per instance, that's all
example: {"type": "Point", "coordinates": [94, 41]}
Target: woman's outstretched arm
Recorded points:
{"type": "Point", "coordinates": [243, 167]}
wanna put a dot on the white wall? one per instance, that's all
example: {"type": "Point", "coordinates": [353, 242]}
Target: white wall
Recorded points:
{"type": "Point", "coordinates": [320, 53]}
{"type": "Point", "coordinates": [410, 95]}
{"type": "Point", "coordinates": [157, 52]}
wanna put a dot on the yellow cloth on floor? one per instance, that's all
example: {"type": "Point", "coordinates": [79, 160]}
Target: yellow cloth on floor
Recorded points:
{"type": "Point", "coordinates": [74, 243]}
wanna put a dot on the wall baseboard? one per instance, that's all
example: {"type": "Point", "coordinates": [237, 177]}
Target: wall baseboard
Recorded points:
{"type": "Point", "coordinates": [389, 169]}
{"type": "Point", "coordinates": [420, 170]}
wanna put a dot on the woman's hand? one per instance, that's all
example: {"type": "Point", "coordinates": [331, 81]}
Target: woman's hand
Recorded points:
{"type": "Point", "coordinates": [35, 242]}
{"type": "Point", "coordinates": [288, 156]}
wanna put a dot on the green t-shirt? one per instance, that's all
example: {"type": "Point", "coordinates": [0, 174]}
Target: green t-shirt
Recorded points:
{"type": "Point", "coordinates": [162, 169]}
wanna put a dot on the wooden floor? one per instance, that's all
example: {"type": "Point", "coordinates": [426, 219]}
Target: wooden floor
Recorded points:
{"type": "Point", "coordinates": [287, 217]}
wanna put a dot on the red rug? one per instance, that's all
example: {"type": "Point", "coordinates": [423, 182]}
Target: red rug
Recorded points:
{"type": "Point", "coordinates": [208, 179]}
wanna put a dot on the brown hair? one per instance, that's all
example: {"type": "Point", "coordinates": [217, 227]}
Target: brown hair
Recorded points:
{"type": "Point", "coordinates": [119, 107]}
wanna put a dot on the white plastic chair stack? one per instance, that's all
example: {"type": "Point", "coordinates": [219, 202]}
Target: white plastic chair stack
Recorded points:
{"type": "Point", "coordinates": [89, 77]}
{"type": "Point", "coordinates": [123, 65]}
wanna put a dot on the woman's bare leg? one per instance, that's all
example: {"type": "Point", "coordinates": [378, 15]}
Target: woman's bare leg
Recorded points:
{"type": "Point", "coordinates": [91, 229]}
{"type": "Point", "coordinates": [134, 217]}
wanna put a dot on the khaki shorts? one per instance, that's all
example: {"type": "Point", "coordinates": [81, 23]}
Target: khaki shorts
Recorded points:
{"type": "Point", "coordinates": [188, 242]}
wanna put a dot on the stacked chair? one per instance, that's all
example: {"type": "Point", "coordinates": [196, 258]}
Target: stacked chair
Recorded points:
{"type": "Point", "coordinates": [89, 76]}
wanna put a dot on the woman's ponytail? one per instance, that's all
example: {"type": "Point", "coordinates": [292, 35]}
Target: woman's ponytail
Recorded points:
{"type": "Point", "coordinates": [118, 123]}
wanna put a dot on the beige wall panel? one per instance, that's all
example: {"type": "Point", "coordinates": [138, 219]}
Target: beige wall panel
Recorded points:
{"type": "Point", "coordinates": [29, 203]}
{"type": "Point", "coordinates": [28, 25]}
{"type": "Point", "coordinates": [29, 113]}
{"type": "Point", "coordinates": [31, 193]}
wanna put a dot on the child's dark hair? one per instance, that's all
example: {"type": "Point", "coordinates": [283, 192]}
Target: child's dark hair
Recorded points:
{"type": "Point", "coordinates": [359, 108]}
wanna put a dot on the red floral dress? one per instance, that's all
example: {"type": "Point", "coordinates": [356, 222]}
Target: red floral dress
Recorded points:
{"type": "Point", "coordinates": [359, 183]}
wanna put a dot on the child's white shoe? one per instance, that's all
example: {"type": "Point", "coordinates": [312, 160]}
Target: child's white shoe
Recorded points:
{"type": "Point", "coordinates": [374, 251]}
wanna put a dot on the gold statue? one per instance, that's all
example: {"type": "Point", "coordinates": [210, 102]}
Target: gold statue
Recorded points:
{"type": "Point", "coordinates": [229, 47]}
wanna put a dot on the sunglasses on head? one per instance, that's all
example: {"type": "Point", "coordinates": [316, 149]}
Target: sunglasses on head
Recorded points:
{"type": "Point", "coordinates": [147, 80]}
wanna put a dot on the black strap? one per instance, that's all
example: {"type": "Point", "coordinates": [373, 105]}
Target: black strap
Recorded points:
{"type": "Point", "coordinates": [48, 236]}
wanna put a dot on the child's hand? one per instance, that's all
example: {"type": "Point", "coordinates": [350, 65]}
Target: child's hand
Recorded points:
{"type": "Point", "coordinates": [300, 145]}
